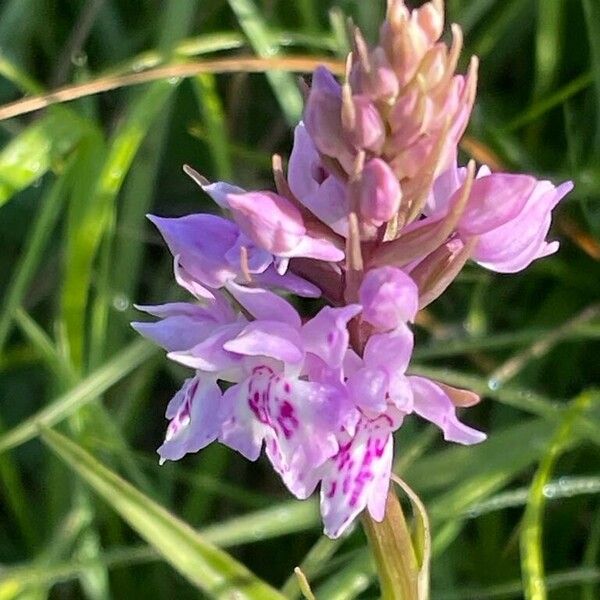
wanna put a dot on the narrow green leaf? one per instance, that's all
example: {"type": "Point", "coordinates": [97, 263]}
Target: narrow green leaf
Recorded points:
{"type": "Point", "coordinates": [318, 556]}
{"type": "Point", "coordinates": [202, 564]}
{"type": "Point", "coordinates": [29, 155]}
{"type": "Point", "coordinates": [94, 211]}
{"type": "Point", "coordinates": [87, 390]}
{"type": "Point", "coordinates": [591, 10]}
{"type": "Point", "coordinates": [548, 42]}
{"type": "Point", "coordinates": [532, 561]}
{"type": "Point", "coordinates": [27, 264]}
{"type": "Point", "coordinates": [260, 37]}
{"type": "Point", "coordinates": [215, 124]}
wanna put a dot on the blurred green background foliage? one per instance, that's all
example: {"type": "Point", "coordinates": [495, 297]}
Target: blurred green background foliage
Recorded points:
{"type": "Point", "coordinates": [76, 180]}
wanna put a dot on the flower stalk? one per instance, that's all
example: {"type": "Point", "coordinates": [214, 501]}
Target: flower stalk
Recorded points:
{"type": "Point", "coordinates": [393, 551]}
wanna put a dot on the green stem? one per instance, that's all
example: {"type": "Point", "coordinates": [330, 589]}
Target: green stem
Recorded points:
{"type": "Point", "coordinates": [393, 551]}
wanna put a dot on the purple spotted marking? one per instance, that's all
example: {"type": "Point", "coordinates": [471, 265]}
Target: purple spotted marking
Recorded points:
{"type": "Point", "coordinates": [332, 488]}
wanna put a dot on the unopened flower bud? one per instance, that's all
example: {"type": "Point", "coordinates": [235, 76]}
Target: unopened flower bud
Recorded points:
{"type": "Point", "coordinates": [367, 131]}
{"type": "Point", "coordinates": [380, 192]}
{"type": "Point", "coordinates": [323, 120]}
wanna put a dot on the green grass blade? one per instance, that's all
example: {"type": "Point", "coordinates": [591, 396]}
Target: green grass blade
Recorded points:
{"type": "Point", "coordinates": [215, 124]}
{"type": "Point", "coordinates": [548, 41]}
{"type": "Point", "coordinates": [30, 155]}
{"type": "Point", "coordinates": [202, 564]}
{"type": "Point", "coordinates": [260, 37]}
{"type": "Point", "coordinates": [532, 561]}
{"type": "Point", "coordinates": [288, 517]}
{"type": "Point", "coordinates": [92, 216]}
{"type": "Point", "coordinates": [322, 551]}
{"type": "Point", "coordinates": [591, 10]}
{"type": "Point", "coordinates": [26, 266]}
{"type": "Point", "coordinates": [87, 390]}
{"type": "Point", "coordinates": [350, 581]}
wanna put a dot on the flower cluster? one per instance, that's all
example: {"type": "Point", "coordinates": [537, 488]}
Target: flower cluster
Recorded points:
{"type": "Point", "coordinates": [377, 219]}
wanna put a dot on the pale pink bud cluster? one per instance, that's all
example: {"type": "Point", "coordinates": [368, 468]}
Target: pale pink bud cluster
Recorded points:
{"type": "Point", "coordinates": [401, 102]}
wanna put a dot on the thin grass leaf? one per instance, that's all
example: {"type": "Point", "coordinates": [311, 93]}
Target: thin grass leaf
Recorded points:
{"type": "Point", "coordinates": [590, 557]}
{"type": "Point", "coordinates": [18, 78]}
{"type": "Point", "coordinates": [287, 517]}
{"type": "Point", "coordinates": [316, 558]}
{"type": "Point", "coordinates": [31, 154]}
{"type": "Point", "coordinates": [350, 581]}
{"type": "Point", "coordinates": [86, 391]}
{"type": "Point", "coordinates": [522, 399]}
{"type": "Point", "coordinates": [548, 42]}
{"type": "Point", "coordinates": [16, 498]}
{"type": "Point", "coordinates": [92, 215]}
{"type": "Point", "coordinates": [260, 37]}
{"type": "Point", "coordinates": [27, 264]}
{"type": "Point", "coordinates": [532, 561]}
{"type": "Point", "coordinates": [550, 101]}
{"type": "Point", "coordinates": [215, 124]}
{"type": "Point", "coordinates": [565, 487]}
{"type": "Point", "coordinates": [591, 10]}
{"type": "Point", "coordinates": [202, 564]}
{"type": "Point", "coordinates": [514, 589]}
{"type": "Point", "coordinates": [467, 345]}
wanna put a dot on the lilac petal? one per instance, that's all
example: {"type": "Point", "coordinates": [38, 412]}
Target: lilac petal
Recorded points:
{"type": "Point", "coordinates": [297, 419]}
{"type": "Point", "coordinates": [391, 350]}
{"type": "Point", "coordinates": [433, 404]}
{"type": "Point", "coordinates": [326, 334]}
{"type": "Point", "coordinates": [219, 191]}
{"type": "Point", "coordinates": [265, 305]}
{"type": "Point", "coordinates": [241, 431]}
{"type": "Point", "coordinates": [193, 414]}
{"type": "Point", "coordinates": [268, 219]}
{"type": "Point", "coordinates": [304, 165]}
{"type": "Point", "coordinates": [289, 282]}
{"type": "Point", "coordinates": [389, 297]}
{"type": "Point", "coordinates": [258, 259]}
{"type": "Point", "coordinates": [189, 283]}
{"type": "Point", "coordinates": [268, 338]}
{"type": "Point", "coordinates": [216, 308]}
{"type": "Point", "coordinates": [210, 355]}
{"type": "Point", "coordinates": [444, 187]}
{"type": "Point", "coordinates": [316, 248]}
{"type": "Point", "coordinates": [183, 325]}
{"type": "Point", "coordinates": [176, 333]}
{"type": "Point", "coordinates": [201, 242]}
{"type": "Point", "coordinates": [358, 475]}
{"type": "Point", "coordinates": [495, 200]}
{"type": "Point", "coordinates": [329, 203]}
{"type": "Point", "coordinates": [513, 246]}
{"type": "Point", "coordinates": [368, 389]}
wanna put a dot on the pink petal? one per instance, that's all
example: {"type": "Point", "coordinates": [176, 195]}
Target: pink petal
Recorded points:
{"type": "Point", "coordinates": [513, 246]}
{"type": "Point", "coordinates": [389, 297]}
{"type": "Point", "coordinates": [391, 350]}
{"type": "Point", "coordinates": [326, 334]}
{"type": "Point", "coordinates": [358, 476]}
{"type": "Point", "coordinates": [268, 338]}
{"type": "Point", "coordinates": [495, 200]}
{"type": "Point", "coordinates": [210, 355]}
{"type": "Point", "coordinates": [194, 419]}
{"type": "Point", "coordinates": [433, 404]}
{"type": "Point", "coordinates": [297, 420]}
{"type": "Point", "coordinates": [265, 305]}
{"type": "Point", "coordinates": [201, 242]}
{"type": "Point", "coordinates": [268, 219]}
